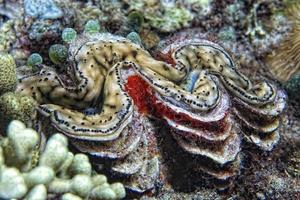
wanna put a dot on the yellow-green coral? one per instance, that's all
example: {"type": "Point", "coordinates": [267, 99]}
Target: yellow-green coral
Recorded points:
{"type": "Point", "coordinates": [172, 19]}
{"type": "Point", "coordinates": [7, 35]}
{"type": "Point", "coordinates": [16, 106]}
{"type": "Point", "coordinates": [8, 77]}
{"type": "Point", "coordinates": [150, 39]}
{"type": "Point", "coordinates": [165, 17]}
{"type": "Point", "coordinates": [58, 171]}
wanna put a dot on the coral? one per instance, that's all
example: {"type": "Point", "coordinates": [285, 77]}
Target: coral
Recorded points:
{"type": "Point", "coordinates": [58, 170]}
{"type": "Point", "coordinates": [227, 34]}
{"type": "Point", "coordinates": [58, 53]}
{"type": "Point", "coordinates": [258, 26]}
{"type": "Point", "coordinates": [172, 19]}
{"type": "Point", "coordinates": [164, 16]}
{"type": "Point", "coordinates": [264, 33]}
{"type": "Point", "coordinates": [16, 106]}
{"type": "Point", "coordinates": [42, 29]}
{"type": "Point", "coordinates": [11, 9]}
{"type": "Point", "coordinates": [135, 21]}
{"type": "Point", "coordinates": [92, 26]}
{"type": "Point", "coordinates": [110, 15]}
{"type": "Point", "coordinates": [255, 28]}
{"type": "Point", "coordinates": [8, 77]}
{"type": "Point", "coordinates": [7, 35]}
{"type": "Point", "coordinates": [43, 9]}
{"type": "Point", "coordinates": [135, 38]}
{"type": "Point", "coordinates": [203, 7]}
{"type": "Point", "coordinates": [197, 90]}
{"type": "Point", "coordinates": [234, 11]}
{"type": "Point", "coordinates": [83, 12]}
{"type": "Point", "coordinates": [292, 86]}
{"type": "Point", "coordinates": [34, 59]}
{"type": "Point", "coordinates": [114, 15]}
{"type": "Point", "coordinates": [68, 35]}
{"type": "Point", "coordinates": [284, 61]}
{"type": "Point", "coordinates": [150, 39]}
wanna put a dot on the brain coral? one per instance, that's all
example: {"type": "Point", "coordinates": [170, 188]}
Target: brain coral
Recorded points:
{"type": "Point", "coordinates": [197, 91]}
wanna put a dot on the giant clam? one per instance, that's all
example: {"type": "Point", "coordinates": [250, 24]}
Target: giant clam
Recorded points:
{"type": "Point", "coordinates": [197, 90]}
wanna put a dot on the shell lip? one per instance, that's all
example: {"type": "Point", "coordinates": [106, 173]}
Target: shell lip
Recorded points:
{"type": "Point", "coordinates": [202, 133]}
{"type": "Point", "coordinates": [279, 105]}
{"type": "Point", "coordinates": [130, 139]}
{"type": "Point", "coordinates": [94, 137]}
{"type": "Point", "coordinates": [215, 114]}
{"type": "Point", "coordinates": [111, 154]}
{"type": "Point", "coordinates": [264, 144]}
{"type": "Point", "coordinates": [224, 174]}
{"type": "Point", "coordinates": [230, 151]}
{"type": "Point", "coordinates": [266, 128]}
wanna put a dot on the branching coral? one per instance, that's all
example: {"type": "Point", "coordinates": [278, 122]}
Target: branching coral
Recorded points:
{"type": "Point", "coordinates": [17, 106]}
{"type": "Point", "coordinates": [58, 171]}
{"type": "Point", "coordinates": [192, 91]}
{"type": "Point", "coordinates": [285, 61]}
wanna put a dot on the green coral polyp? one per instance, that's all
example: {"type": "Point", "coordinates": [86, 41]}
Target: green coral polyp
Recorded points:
{"type": "Point", "coordinates": [34, 59]}
{"type": "Point", "coordinates": [58, 53]}
{"type": "Point", "coordinates": [134, 37]}
{"type": "Point", "coordinates": [68, 35]}
{"type": "Point", "coordinates": [92, 26]}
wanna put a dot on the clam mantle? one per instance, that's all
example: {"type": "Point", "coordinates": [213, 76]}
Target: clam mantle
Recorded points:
{"type": "Point", "coordinates": [196, 89]}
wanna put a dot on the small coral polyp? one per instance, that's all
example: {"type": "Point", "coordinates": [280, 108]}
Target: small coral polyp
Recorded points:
{"type": "Point", "coordinates": [197, 91]}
